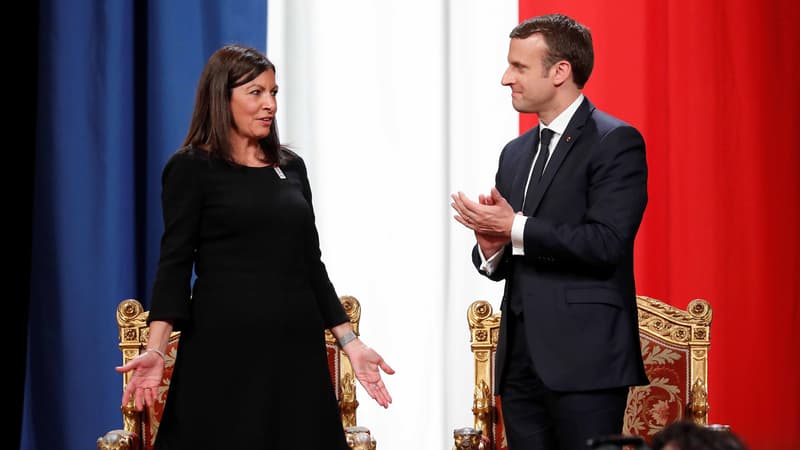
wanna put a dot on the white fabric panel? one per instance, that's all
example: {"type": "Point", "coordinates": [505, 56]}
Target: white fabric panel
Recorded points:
{"type": "Point", "coordinates": [482, 121]}
{"type": "Point", "coordinates": [394, 105]}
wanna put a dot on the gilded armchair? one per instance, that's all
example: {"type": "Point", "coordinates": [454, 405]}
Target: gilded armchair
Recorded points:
{"type": "Point", "coordinates": [675, 346]}
{"type": "Point", "coordinates": [140, 427]}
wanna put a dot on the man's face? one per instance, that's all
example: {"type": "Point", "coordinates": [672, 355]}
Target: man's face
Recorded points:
{"type": "Point", "coordinates": [532, 86]}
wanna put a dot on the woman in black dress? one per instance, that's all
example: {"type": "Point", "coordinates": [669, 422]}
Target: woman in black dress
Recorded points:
{"type": "Point", "coordinates": [251, 370]}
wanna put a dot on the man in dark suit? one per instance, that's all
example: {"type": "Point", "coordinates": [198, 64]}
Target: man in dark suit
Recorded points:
{"type": "Point", "coordinates": [559, 228]}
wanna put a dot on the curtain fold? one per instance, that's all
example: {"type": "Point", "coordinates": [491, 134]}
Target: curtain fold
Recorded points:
{"type": "Point", "coordinates": [116, 84]}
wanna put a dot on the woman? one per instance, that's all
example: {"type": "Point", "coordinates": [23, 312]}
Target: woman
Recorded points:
{"type": "Point", "coordinates": [251, 370]}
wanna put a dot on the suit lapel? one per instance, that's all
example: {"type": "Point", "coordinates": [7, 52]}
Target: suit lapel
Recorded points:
{"type": "Point", "coordinates": [565, 143]}
{"type": "Point", "coordinates": [522, 172]}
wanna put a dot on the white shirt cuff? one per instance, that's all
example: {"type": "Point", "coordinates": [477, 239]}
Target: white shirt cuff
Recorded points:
{"type": "Point", "coordinates": [518, 234]}
{"type": "Point", "coordinates": [488, 266]}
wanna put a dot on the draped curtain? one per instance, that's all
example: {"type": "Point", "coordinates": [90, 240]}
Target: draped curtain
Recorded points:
{"type": "Point", "coordinates": [711, 85]}
{"type": "Point", "coordinates": [395, 105]}
{"type": "Point", "coordinates": [116, 84]}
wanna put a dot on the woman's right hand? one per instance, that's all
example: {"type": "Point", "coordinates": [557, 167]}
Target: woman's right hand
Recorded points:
{"type": "Point", "coordinates": [142, 386]}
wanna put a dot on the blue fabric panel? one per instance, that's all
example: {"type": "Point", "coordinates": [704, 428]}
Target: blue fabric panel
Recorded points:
{"type": "Point", "coordinates": [116, 87]}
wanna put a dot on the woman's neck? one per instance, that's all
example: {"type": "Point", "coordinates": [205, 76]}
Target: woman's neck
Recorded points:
{"type": "Point", "coordinates": [248, 153]}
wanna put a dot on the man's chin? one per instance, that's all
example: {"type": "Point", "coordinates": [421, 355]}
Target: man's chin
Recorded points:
{"type": "Point", "coordinates": [520, 107]}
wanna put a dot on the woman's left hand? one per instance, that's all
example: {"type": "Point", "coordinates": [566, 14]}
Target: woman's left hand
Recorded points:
{"type": "Point", "coordinates": [367, 365]}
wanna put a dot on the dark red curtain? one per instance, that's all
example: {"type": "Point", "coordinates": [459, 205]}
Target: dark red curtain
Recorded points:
{"type": "Point", "coordinates": [713, 86]}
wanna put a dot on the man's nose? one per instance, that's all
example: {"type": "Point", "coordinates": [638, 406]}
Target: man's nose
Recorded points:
{"type": "Point", "coordinates": [506, 79]}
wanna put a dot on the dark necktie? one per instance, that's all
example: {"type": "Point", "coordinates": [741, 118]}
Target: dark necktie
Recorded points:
{"type": "Point", "coordinates": [541, 160]}
{"type": "Point", "coordinates": [536, 174]}
{"type": "Point", "coordinates": [544, 152]}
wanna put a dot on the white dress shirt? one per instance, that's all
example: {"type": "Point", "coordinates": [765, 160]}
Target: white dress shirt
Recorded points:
{"type": "Point", "coordinates": [558, 125]}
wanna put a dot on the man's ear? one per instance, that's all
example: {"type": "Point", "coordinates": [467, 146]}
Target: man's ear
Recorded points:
{"type": "Point", "coordinates": [562, 72]}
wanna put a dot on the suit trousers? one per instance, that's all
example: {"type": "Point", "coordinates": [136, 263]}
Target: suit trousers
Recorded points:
{"type": "Point", "coordinates": [537, 418]}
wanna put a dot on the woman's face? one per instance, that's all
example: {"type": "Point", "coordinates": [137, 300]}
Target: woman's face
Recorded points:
{"type": "Point", "coordinates": [253, 106]}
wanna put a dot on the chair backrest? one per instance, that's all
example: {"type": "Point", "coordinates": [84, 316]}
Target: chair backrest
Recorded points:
{"type": "Point", "coordinates": [140, 428]}
{"type": "Point", "coordinates": [675, 346]}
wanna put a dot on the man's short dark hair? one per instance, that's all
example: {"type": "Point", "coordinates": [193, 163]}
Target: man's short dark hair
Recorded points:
{"type": "Point", "coordinates": [567, 40]}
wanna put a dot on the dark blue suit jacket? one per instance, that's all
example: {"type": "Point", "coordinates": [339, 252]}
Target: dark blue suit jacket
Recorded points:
{"type": "Point", "coordinates": [575, 282]}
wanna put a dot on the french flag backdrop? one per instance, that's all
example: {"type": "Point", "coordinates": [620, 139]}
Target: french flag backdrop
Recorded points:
{"type": "Point", "coordinates": [395, 105]}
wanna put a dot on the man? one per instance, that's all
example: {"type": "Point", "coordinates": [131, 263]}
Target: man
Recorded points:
{"type": "Point", "coordinates": [559, 228]}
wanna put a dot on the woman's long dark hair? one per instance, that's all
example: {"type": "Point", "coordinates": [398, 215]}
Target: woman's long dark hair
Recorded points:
{"type": "Point", "coordinates": [229, 67]}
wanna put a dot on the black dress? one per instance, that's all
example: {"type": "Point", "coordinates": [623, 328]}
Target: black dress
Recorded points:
{"type": "Point", "coordinates": [251, 370]}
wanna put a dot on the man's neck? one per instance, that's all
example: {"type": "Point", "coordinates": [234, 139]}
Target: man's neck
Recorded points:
{"type": "Point", "coordinates": [561, 101]}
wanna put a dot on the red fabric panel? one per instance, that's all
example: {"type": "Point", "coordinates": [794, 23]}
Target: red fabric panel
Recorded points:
{"type": "Point", "coordinates": [713, 87]}
{"type": "Point", "coordinates": [151, 417]}
{"type": "Point", "coordinates": [333, 367]}
{"type": "Point", "coordinates": [650, 408]}
{"type": "Point", "coordinates": [500, 439]}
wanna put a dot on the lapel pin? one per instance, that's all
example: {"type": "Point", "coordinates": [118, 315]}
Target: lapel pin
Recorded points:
{"type": "Point", "coordinates": [568, 138]}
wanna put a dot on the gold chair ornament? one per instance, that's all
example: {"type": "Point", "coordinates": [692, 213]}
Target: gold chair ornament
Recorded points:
{"type": "Point", "coordinates": [359, 438]}
{"type": "Point", "coordinates": [468, 438]}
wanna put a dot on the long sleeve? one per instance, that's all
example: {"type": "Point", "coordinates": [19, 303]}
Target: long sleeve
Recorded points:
{"type": "Point", "coordinates": [328, 301]}
{"type": "Point", "coordinates": [181, 205]}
